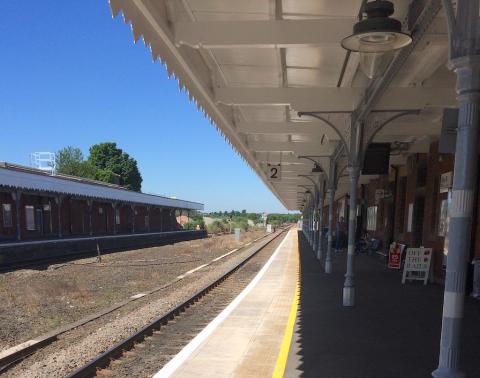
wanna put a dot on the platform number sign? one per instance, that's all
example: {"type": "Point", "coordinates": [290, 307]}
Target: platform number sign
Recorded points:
{"type": "Point", "coordinates": [274, 172]}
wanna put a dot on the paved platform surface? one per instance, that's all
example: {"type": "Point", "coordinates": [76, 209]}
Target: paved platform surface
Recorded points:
{"type": "Point", "coordinates": [394, 330]}
{"type": "Point", "coordinates": [247, 342]}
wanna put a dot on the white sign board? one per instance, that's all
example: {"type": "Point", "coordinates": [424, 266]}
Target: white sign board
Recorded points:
{"type": "Point", "coordinates": [274, 172]}
{"type": "Point", "coordinates": [269, 228]}
{"type": "Point", "coordinates": [417, 264]}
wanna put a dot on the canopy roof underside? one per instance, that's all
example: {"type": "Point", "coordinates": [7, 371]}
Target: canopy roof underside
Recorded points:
{"type": "Point", "coordinates": [252, 65]}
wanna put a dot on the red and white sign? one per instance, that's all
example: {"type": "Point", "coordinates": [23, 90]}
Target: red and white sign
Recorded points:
{"type": "Point", "coordinates": [395, 255]}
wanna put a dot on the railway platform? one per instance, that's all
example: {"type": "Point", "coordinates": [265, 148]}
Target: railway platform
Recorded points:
{"type": "Point", "coordinates": [393, 331]}
{"type": "Point", "coordinates": [290, 322]}
{"type": "Point", "coordinates": [246, 339]}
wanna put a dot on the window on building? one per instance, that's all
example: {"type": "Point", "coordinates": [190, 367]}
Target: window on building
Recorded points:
{"type": "Point", "coordinates": [117, 216]}
{"type": "Point", "coordinates": [372, 218]}
{"type": "Point", "coordinates": [7, 215]}
{"type": "Point", "coordinates": [147, 221]}
{"type": "Point", "coordinates": [30, 218]}
{"type": "Point", "coordinates": [100, 210]}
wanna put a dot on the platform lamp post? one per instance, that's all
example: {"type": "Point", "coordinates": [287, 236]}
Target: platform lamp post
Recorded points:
{"type": "Point", "coordinates": [331, 186]}
{"type": "Point", "coordinates": [464, 59]}
{"type": "Point", "coordinates": [314, 208]}
{"type": "Point", "coordinates": [318, 169]}
{"type": "Point", "coordinates": [318, 208]}
{"type": "Point", "coordinates": [308, 212]}
{"type": "Point", "coordinates": [301, 206]}
{"type": "Point", "coordinates": [374, 38]}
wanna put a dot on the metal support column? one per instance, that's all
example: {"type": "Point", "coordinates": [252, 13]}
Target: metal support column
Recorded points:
{"type": "Point", "coordinates": [17, 196]}
{"type": "Point", "coordinates": [328, 259]}
{"type": "Point", "coordinates": [114, 207]}
{"type": "Point", "coordinates": [312, 221]}
{"type": "Point", "coordinates": [461, 209]}
{"type": "Point", "coordinates": [320, 224]}
{"type": "Point", "coordinates": [465, 61]}
{"type": "Point", "coordinates": [59, 200]}
{"type": "Point", "coordinates": [349, 287]}
{"type": "Point", "coordinates": [148, 217]}
{"type": "Point", "coordinates": [90, 211]}
{"type": "Point", "coordinates": [133, 218]}
{"type": "Point", "coordinates": [354, 173]}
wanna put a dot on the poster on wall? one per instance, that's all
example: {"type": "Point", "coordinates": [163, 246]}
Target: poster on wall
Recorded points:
{"type": "Point", "coordinates": [443, 221]}
{"type": "Point", "coordinates": [395, 255]}
{"type": "Point", "coordinates": [410, 217]}
{"type": "Point", "coordinates": [444, 224]}
{"type": "Point", "coordinates": [446, 182]}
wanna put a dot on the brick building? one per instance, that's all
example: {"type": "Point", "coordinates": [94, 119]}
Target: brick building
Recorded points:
{"type": "Point", "coordinates": [410, 206]}
{"type": "Point", "coordinates": [39, 205]}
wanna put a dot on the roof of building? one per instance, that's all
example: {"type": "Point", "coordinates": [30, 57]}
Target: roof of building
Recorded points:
{"type": "Point", "coordinates": [26, 178]}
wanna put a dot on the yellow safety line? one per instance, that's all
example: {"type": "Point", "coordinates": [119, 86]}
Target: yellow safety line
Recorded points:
{"type": "Point", "coordinates": [287, 337]}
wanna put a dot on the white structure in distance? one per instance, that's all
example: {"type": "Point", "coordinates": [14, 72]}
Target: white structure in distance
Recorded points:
{"type": "Point", "coordinates": [44, 161]}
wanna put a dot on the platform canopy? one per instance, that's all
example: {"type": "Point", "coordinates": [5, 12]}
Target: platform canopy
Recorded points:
{"type": "Point", "coordinates": [252, 65]}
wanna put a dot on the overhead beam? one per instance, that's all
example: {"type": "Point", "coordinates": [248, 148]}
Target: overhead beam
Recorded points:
{"type": "Point", "coordinates": [301, 99]}
{"type": "Point", "coordinates": [336, 99]}
{"type": "Point", "coordinates": [285, 128]}
{"type": "Point", "coordinates": [410, 129]}
{"type": "Point", "coordinates": [291, 160]}
{"type": "Point", "coordinates": [299, 148]}
{"type": "Point", "coordinates": [268, 33]}
{"type": "Point", "coordinates": [319, 129]}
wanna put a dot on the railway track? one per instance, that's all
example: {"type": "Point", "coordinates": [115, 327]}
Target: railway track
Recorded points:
{"type": "Point", "coordinates": [147, 350]}
{"type": "Point", "coordinates": [10, 252]}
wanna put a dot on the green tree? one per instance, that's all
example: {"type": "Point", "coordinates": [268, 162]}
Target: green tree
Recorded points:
{"type": "Point", "coordinates": [115, 166]}
{"type": "Point", "coordinates": [69, 161]}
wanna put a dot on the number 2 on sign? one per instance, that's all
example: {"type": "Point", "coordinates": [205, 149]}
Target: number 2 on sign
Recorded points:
{"type": "Point", "coordinates": [274, 172]}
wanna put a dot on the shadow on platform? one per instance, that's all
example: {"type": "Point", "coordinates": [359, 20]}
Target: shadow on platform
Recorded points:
{"type": "Point", "coordinates": [394, 330]}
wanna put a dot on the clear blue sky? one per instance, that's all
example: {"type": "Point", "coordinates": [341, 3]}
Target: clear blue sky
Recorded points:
{"type": "Point", "coordinates": [70, 75]}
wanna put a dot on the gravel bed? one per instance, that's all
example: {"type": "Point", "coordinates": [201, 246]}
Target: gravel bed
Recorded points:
{"type": "Point", "coordinates": [33, 302]}
{"type": "Point", "coordinates": [78, 346]}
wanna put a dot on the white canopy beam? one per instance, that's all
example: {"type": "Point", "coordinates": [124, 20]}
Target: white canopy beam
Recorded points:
{"type": "Point", "coordinates": [309, 128]}
{"type": "Point", "coordinates": [300, 148]}
{"type": "Point", "coordinates": [269, 33]}
{"type": "Point", "coordinates": [336, 99]}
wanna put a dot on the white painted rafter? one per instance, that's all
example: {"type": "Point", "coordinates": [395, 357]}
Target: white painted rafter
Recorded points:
{"type": "Point", "coordinates": [336, 99]}
{"type": "Point", "coordinates": [314, 129]}
{"type": "Point", "coordinates": [262, 34]}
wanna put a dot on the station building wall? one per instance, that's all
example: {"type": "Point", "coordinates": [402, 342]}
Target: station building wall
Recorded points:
{"type": "Point", "coordinates": [39, 217]}
{"type": "Point", "coordinates": [410, 212]}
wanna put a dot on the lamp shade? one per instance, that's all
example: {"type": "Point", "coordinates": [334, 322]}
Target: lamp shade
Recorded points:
{"type": "Point", "coordinates": [378, 33]}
